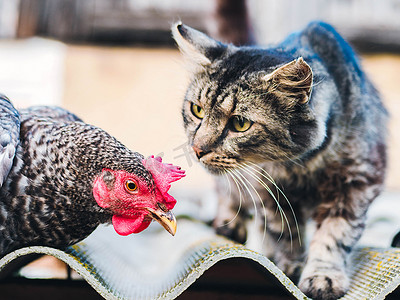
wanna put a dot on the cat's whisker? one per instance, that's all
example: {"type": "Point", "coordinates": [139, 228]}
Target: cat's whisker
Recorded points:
{"type": "Point", "coordinates": [240, 195]}
{"type": "Point", "coordinates": [238, 176]}
{"type": "Point", "coordinates": [284, 218]}
{"type": "Point", "coordinates": [267, 176]}
{"type": "Point", "coordinates": [293, 160]}
{"type": "Point", "coordinates": [263, 173]}
{"type": "Point", "coordinates": [261, 201]}
{"type": "Point", "coordinates": [229, 187]}
{"type": "Point", "coordinates": [241, 178]}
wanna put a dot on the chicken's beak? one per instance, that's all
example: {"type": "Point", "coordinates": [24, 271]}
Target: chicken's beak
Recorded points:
{"type": "Point", "coordinates": [166, 219]}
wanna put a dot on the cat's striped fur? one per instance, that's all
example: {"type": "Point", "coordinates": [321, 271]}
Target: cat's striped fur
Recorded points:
{"type": "Point", "coordinates": [315, 147]}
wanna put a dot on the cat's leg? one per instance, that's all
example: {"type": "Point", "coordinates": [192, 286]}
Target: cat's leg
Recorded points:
{"type": "Point", "coordinates": [285, 231]}
{"type": "Point", "coordinates": [340, 220]}
{"type": "Point", "coordinates": [346, 190]}
{"type": "Point", "coordinates": [324, 275]}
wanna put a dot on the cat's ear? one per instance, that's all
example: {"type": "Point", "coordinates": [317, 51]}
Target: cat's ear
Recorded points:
{"type": "Point", "coordinates": [293, 80]}
{"type": "Point", "coordinates": [198, 48]}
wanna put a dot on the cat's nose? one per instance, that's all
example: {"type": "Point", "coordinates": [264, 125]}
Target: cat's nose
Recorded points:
{"type": "Point", "coordinates": [199, 152]}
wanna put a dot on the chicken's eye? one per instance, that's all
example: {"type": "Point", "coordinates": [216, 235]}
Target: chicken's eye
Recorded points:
{"type": "Point", "coordinates": [131, 186]}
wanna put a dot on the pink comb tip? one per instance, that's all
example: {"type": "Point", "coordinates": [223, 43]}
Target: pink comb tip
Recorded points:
{"type": "Point", "coordinates": [163, 174]}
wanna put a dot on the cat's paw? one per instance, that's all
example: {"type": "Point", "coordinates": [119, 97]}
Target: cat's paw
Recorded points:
{"type": "Point", "coordinates": [292, 269]}
{"type": "Point", "coordinates": [329, 286]}
{"type": "Point", "coordinates": [234, 230]}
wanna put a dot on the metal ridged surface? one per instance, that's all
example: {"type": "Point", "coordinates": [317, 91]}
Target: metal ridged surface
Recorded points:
{"type": "Point", "coordinates": [154, 265]}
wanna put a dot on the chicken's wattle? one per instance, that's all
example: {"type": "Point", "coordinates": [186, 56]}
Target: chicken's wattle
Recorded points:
{"type": "Point", "coordinates": [128, 225]}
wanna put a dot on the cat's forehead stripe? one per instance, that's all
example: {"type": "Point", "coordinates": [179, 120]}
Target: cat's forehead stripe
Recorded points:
{"type": "Point", "coordinates": [227, 103]}
{"type": "Point", "coordinates": [214, 96]}
{"type": "Point", "coordinates": [229, 100]}
{"type": "Point", "coordinates": [206, 92]}
{"type": "Point", "coordinates": [217, 96]}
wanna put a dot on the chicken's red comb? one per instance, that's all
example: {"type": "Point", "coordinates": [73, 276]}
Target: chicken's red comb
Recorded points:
{"type": "Point", "coordinates": [163, 174]}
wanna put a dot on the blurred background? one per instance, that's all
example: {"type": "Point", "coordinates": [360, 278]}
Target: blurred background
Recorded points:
{"type": "Point", "coordinates": [114, 63]}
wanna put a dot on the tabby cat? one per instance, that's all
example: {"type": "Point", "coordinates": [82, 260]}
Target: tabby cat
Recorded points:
{"type": "Point", "coordinates": [293, 132]}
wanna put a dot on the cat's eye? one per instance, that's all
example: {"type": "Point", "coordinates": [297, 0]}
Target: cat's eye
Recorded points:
{"type": "Point", "coordinates": [240, 124]}
{"type": "Point", "coordinates": [197, 111]}
{"type": "Point", "coordinates": [131, 186]}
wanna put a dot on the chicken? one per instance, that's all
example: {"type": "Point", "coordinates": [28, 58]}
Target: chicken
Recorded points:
{"type": "Point", "coordinates": [60, 178]}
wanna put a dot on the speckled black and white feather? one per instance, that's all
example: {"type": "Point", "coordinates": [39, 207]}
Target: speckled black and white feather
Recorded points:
{"type": "Point", "coordinates": [9, 132]}
{"type": "Point", "coordinates": [46, 197]}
